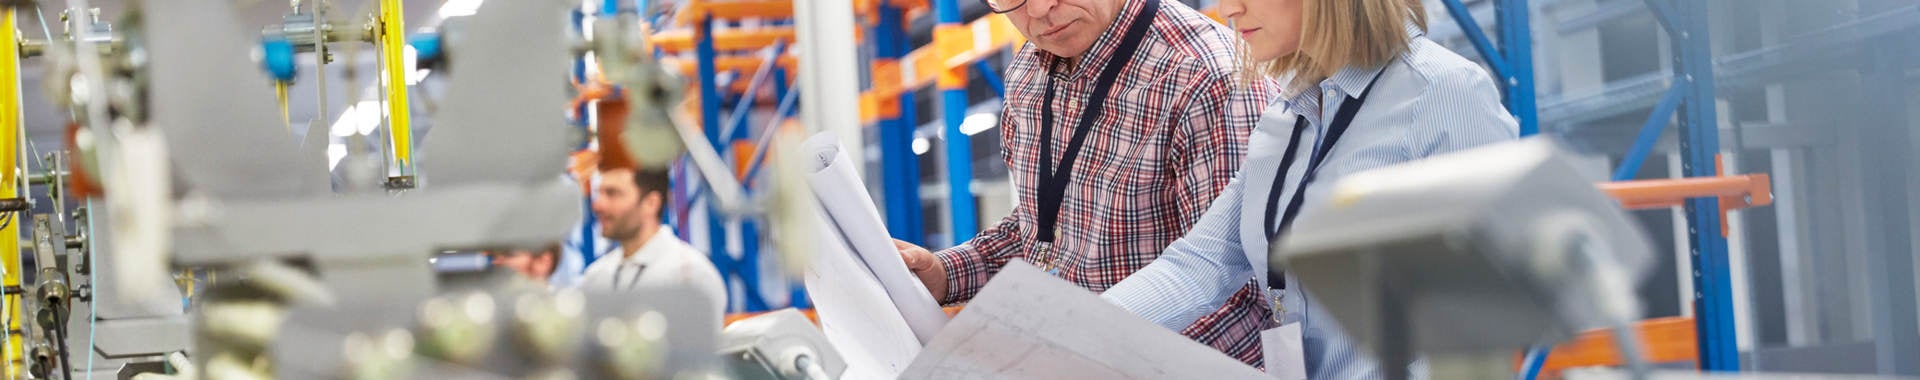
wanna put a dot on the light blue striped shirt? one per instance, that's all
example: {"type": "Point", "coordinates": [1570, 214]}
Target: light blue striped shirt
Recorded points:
{"type": "Point", "coordinates": [1428, 101]}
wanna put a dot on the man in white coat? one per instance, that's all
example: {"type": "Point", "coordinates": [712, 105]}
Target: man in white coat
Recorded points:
{"type": "Point", "coordinates": [629, 204]}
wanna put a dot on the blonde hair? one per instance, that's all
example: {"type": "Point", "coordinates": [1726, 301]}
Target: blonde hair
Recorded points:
{"type": "Point", "coordinates": [1335, 34]}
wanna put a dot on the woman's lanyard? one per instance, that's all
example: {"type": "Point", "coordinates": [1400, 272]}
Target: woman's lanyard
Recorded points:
{"type": "Point", "coordinates": [1276, 279]}
{"type": "Point", "coordinates": [1053, 183]}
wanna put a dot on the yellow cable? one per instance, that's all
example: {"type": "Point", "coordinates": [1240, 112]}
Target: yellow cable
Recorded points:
{"type": "Point", "coordinates": [392, 53]}
{"type": "Point", "coordinates": [280, 89]}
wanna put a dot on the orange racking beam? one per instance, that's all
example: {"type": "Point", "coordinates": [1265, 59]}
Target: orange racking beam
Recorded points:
{"type": "Point", "coordinates": [954, 48]}
{"type": "Point", "coordinates": [747, 64]}
{"type": "Point", "coordinates": [735, 10]}
{"type": "Point", "coordinates": [676, 41]}
{"type": "Point", "coordinates": [1666, 340]}
{"type": "Point", "coordinates": [1662, 193]}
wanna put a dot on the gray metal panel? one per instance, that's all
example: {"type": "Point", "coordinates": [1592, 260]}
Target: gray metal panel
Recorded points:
{"type": "Point", "coordinates": [1895, 328]}
{"type": "Point", "coordinates": [1612, 138]}
{"type": "Point", "coordinates": [1468, 264]}
{"type": "Point", "coordinates": [508, 65]}
{"type": "Point", "coordinates": [216, 107]}
{"type": "Point", "coordinates": [1827, 48]}
{"type": "Point", "coordinates": [377, 226]}
{"type": "Point", "coordinates": [139, 337]}
{"type": "Point", "coordinates": [1849, 358]}
{"type": "Point", "coordinates": [1602, 12]}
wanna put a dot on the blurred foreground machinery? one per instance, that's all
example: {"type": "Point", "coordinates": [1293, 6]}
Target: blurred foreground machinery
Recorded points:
{"type": "Point", "coordinates": [187, 169]}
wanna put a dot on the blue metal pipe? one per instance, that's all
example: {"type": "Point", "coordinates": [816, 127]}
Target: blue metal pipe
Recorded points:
{"type": "Point", "coordinates": [1516, 41]}
{"type": "Point", "coordinates": [710, 122]}
{"type": "Point", "coordinates": [738, 118]}
{"type": "Point", "coordinates": [1700, 145]}
{"type": "Point", "coordinates": [1536, 358]}
{"type": "Point", "coordinates": [992, 78]}
{"type": "Point", "coordinates": [959, 146]}
{"type": "Point", "coordinates": [766, 139]}
{"type": "Point", "coordinates": [1650, 133]}
{"type": "Point", "coordinates": [1480, 42]}
{"type": "Point", "coordinates": [899, 166]}
{"type": "Point", "coordinates": [959, 152]}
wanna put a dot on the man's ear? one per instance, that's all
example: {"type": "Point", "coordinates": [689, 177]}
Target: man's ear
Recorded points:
{"type": "Point", "coordinates": [654, 200]}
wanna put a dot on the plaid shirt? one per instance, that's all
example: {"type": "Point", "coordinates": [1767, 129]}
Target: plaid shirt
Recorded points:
{"type": "Point", "coordinates": [1173, 134]}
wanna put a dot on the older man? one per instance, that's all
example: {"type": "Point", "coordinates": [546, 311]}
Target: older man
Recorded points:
{"type": "Point", "coordinates": [1123, 120]}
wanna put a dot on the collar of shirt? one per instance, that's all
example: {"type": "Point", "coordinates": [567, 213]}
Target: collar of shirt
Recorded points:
{"type": "Point", "coordinates": [656, 249]}
{"type": "Point", "coordinates": [1348, 82]}
{"type": "Point", "coordinates": [1096, 56]}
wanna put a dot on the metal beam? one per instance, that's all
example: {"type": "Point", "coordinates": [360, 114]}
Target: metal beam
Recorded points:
{"type": "Point", "coordinates": [1700, 149]}
{"type": "Point", "coordinates": [900, 168]}
{"type": "Point", "coordinates": [1830, 48]}
{"type": "Point", "coordinates": [953, 110]}
{"type": "Point", "coordinates": [1516, 48]}
{"type": "Point", "coordinates": [1481, 44]}
{"type": "Point", "coordinates": [1895, 328]}
{"type": "Point", "coordinates": [1602, 12]}
{"type": "Point", "coordinates": [1649, 134]}
{"type": "Point", "coordinates": [1619, 138]}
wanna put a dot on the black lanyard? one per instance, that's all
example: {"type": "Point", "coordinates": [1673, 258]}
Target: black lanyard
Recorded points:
{"type": "Point", "coordinates": [1276, 279]}
{"type": "Point", "coordinates": [1053, 183]}
{"type": "Point", "coordinates": [623, 268]}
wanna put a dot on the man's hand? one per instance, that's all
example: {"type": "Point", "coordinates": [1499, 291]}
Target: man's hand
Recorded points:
{"type": "Point", "coordinates": [927, 267]}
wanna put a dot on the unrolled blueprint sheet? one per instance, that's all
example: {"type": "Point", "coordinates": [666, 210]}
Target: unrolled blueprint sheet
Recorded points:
{"type": "Point", "coordinates": [855, 313]}
{"type": "Point", "coordinates": [1029, 325]}
{"type": "Point", "coordinates": [853, 221]}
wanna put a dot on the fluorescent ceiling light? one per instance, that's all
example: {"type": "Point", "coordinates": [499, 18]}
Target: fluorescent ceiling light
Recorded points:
{"type": "Point", "coordinates": [979, 122]}
{"type": "Point", "coordinates": [921, 145]}
{"type": "Point", "coordinates": [359, 119]}
{"type": "Point", "coordinates": [335, 152]}
{"type": "Point", "coordinates": [456, 8]}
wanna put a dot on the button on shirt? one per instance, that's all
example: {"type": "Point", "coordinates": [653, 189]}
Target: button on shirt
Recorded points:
{"type": "Point", "coordinates": [1428, 101]}
{"type": "Point", "coordinates": [1171, 136]}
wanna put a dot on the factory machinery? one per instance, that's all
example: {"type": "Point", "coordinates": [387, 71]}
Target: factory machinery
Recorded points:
{"type": "Point", "coordinates": [295, 270]}
{"type": "Point", "coordinates": [189, 174]}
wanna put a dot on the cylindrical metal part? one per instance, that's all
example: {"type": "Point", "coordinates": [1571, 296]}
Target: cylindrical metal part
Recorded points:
{"type": "Point", "coordinates": [45, 178]}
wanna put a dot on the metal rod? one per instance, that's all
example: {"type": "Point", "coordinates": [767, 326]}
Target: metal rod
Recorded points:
{"type": "Point", "coordinates": [1516, 44]}
{"type": "Point", "coordinates": [1468, 25]}
{"type": "Point", "coordinates": [1700, 147]}
{"type": "Point", "coordinates": [992, 78]}
{"type": "Point", "coordinates": [320, 68]}
{"type": "Point", "coordinates": [959, 146]}
{"type": "Point", "coordinates": [766, 138]}
{"type": "Point", "coordinates": [1535, 359]}
{"type": "Point", "coordinates": [45, 178]}
{"type": "Point", "coordinates": [1650, 133]}
{"type": "Point", "coordinates": [1663, 13]}
{"type": "Point", "coordinates": [739, 115]}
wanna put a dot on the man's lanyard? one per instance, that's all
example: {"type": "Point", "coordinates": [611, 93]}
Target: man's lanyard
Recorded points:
{"type": "Point", "coordinates": [1053, 183]}
{"type": "Point", "coordinates": [1277, 279]}
{"type": "Point", "coordinates": [622, 268]}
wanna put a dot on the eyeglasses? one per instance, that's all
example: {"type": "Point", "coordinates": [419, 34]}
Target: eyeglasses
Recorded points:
{"type": "Point", "coordinates": [1004, 6]}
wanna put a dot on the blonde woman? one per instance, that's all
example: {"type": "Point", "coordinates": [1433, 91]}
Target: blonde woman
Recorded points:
{"type": "Point", "coordinates": [1364, 89]}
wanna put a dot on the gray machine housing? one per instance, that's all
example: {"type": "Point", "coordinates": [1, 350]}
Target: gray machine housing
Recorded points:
{"type": "Point", "coordinates": [1495, 248]}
